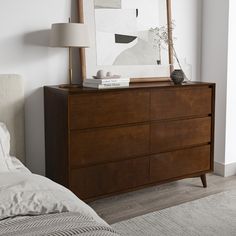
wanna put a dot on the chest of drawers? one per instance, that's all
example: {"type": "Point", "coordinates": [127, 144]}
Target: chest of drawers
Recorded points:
{"type": "Point", "coordinates": [105, 142]}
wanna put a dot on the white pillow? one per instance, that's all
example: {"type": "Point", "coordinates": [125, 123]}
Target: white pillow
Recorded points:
{"type": "Point", "coordinates": [5, 138]}
{"type": "Point", "coordinates": [3, 164]}
{"type": "Point", "coordinates": [19, 166]}
{"type": "Point", "coordinates": [5, 160]}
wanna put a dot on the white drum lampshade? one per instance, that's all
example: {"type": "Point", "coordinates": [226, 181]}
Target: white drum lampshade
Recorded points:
{"type": "Point", "coordinates": [69, 35]}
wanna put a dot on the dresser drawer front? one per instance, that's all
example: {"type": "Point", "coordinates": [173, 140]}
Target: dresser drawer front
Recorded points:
{"type": "Point", "coordinates": [107, 109]}
{"type": "Point", "coordinates": [109, 178]}
{"type": "Point", "coordinates": [170, 135]}
{"type": "Point", "coordinates": [180, 163]}
{"type": "Point", "coordinates": [181, 102]}
{"type": "Point", "coordinates": [110, 144]}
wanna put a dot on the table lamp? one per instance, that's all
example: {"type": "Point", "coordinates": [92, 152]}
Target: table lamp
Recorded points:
{"type": "Point", "coordinates": [69, 35]}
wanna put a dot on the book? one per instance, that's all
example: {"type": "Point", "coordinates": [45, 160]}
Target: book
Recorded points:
{"type": "Point", "coordinates": [106, 85]}
{"type": "Point", "coordinates": [108, 77]}
{"type": "Point", "coordinates": [107, 81]}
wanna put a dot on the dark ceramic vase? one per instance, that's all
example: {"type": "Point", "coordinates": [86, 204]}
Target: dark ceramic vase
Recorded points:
{"type": "Point", "coordinates": [177, 76]}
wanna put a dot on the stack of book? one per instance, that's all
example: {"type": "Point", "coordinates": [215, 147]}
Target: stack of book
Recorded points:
{"type": "Point", "coordinates": [106, 83]}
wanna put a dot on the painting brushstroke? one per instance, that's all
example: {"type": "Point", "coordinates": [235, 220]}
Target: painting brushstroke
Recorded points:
{"type": "Point", "coordinates": [119, 38]}
{"type": "Point", "coordinates": [109, 4]}
{"type": "Point", "coordinates": [108, 23]}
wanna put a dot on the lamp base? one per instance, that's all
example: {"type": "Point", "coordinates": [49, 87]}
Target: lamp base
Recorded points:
{"type": "Point", "coordinates": [69, 86]}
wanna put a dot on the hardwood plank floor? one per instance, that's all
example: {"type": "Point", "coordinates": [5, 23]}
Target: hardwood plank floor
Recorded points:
{"type": "Point", "coordinates": [132, 204]}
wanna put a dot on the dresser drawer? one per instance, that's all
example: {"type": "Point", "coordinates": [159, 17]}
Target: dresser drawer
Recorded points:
{"type": "Point", "coordinates": [107, 109]}
{"type": "Point", "coordinates": [108, 178]}
{"type": "Point", "coordinates": [181, 102]}
{"type": "Point", "coordinates": [169, 135]}
{"type": "Point", "coordinates": [110, 144]}
{"type": "Point", "coordinates": [180, 163]}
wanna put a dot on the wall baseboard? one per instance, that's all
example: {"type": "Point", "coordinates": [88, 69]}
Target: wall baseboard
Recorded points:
{"type": "Point", "coordinates": [219, 168]}
{"type": "Point", "coordinates": [225, 170]}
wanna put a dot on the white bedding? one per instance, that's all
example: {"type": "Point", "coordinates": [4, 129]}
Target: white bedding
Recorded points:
{"type": "Point", "coordinates": [23, 193]}
{"type": "Point", "coordinates": [5, 161]}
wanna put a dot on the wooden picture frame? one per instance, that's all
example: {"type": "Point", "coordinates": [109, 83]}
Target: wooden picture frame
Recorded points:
{"type": "Point", "coordinates": [80, 5]}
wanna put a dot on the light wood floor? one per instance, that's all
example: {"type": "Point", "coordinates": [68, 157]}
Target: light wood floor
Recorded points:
{"type": "Point", "coordinates": [129, 205]}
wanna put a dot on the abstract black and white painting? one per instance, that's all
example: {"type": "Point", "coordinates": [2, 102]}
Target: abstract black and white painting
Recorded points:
{"type": "Point", "coordinates": [122, 39]}
{"type": "Point", "coordinates": [123, 32]}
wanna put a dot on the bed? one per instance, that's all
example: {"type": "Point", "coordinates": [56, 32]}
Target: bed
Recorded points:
{"type": "Point", "coordinates": [31, 204]}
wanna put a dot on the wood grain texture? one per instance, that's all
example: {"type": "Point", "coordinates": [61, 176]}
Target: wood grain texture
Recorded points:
{"type": "Point", "coordinates": [82, 56]}
{"type": "Point", "coordinates": [109, 178]}
{"type": "Point", "coordinates": [170, 135]}
{"type": "Point", "coordinates": [104, 142]}
{"type": "Point", "coordinates": [170, 34]}
{"type": "Point", "coordinates": [108, 109]}
{"type": "Point", "coordinates": [107, 145]}
{"type": "Point", "coordinates": [179, 163]}
{"type": "Point", "coordinates": [56, 136]}
{"type": "Point", "coordinates": [180, 102]}
{"type": "Point", "coordinates": [133, 87]}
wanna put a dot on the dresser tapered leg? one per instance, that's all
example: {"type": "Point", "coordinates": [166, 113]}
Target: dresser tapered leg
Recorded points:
{"type": "Point", "coordinates": [204, 181]}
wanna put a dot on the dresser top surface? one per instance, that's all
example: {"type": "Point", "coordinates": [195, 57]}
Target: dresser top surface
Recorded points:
{"type": "Point", "coordinates": [144, 85]}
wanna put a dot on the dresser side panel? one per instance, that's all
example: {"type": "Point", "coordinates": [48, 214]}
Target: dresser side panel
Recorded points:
{"type": "Point", "coordinates": [56, 136]}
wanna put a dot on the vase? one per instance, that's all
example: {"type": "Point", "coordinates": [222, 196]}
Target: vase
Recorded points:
{"type": "Point", "coordinates": [177, 76]}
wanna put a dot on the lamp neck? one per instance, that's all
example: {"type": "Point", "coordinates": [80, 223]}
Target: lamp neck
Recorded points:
{"type": "Point", "coordinates": [70, 66]}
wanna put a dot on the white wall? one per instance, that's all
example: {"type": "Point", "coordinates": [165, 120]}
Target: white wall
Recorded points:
{"type": "Point", "coordinates": [24, 28]}
{"type": "Point", "coordinates": [187, 15]}
{"type": "Point", "coordinates": [230, 154]}
{"type": "Point", "coordinates": [214, 63]}
{"type": "Point", "coordinates": [24, 50]}
{"type": "Point", "coordinates": [218, 65]}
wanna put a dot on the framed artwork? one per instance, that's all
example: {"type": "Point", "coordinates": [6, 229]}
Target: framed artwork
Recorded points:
{"type": "Point", "coordinates": [125, 38]}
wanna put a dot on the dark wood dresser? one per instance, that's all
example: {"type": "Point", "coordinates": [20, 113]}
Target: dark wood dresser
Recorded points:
{"type": "Point", "coordinates": [103, 142]}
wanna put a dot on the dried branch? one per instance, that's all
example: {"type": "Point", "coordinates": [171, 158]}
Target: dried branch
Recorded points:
{"type": "Point", "coordinates": [161, 38]}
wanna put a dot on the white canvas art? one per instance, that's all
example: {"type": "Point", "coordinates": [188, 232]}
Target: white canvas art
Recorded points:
{"type": "Point", "coordinates": [121, 40]}
{"type": "Point", "coordinates": [123, 35]}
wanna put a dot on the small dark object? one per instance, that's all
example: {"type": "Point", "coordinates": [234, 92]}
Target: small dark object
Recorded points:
{"type": "Point", "coordinates": [177, 76]}
{"type": "Point", "coordinates": [121, 38]}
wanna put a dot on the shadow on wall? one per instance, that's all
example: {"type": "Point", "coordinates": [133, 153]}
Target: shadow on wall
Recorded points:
{"type": "Point", "coordinates": [34, 47]}
{"type": "Point", "coordinates": [24, 48]}
{"type": "Point", "coordinates": [34, 118]}
{"type": "Point", "coordinates": [40, 43]}
{"type": "Point", "coordinates": [37, 38]}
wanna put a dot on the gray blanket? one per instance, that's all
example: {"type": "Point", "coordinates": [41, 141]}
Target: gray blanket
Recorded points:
{"type": "Point", "coordinates": [61, 224]}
